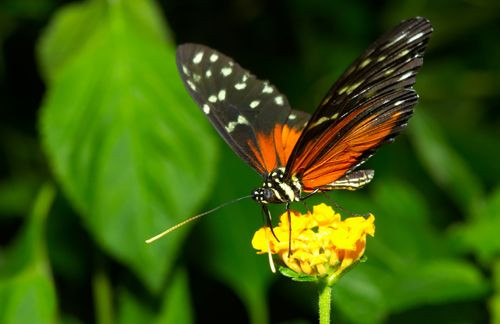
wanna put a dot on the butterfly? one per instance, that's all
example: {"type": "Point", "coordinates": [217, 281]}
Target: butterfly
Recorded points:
{"type": "Point", "coordinates": [298, 154]}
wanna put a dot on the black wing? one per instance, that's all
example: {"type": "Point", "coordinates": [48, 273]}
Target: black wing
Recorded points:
{"type": "Point", "coordinates": [252, 116]}
{"type": "Point", "coordinates": [369, 105]}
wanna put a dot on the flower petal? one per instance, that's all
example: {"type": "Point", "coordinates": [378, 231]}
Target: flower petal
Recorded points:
{"type": "Point", "coordinates": [322, 244]}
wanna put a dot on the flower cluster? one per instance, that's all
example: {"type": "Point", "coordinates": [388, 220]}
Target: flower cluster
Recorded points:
{"type": "Point", "coordinates": [322, 243]}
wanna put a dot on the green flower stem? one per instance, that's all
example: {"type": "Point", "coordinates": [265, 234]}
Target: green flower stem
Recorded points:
{"type": "Point", "coordinates": [325, 303]}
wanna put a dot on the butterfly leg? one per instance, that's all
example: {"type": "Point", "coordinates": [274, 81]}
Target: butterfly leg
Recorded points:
{"type": "Point", "coordinates": [339, 207]}
{"type": "Point", "coordinates": [309, 194]}
{"type": "Point", "coordinates": [267, 216]}
{"type": "Point", "coordinates": [336, 204]}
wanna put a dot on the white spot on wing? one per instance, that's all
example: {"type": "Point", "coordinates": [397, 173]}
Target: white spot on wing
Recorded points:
{"type": "Point", "coordinates": [292, 117]}
{"type": "Point", "coordinates": [206, 109]}
{"type": "Point", "coordinates": [185, 70]}
{"type": "Point", "coordinates": [226, 71]}
{"type": "Point", "coordinates": [320, 121]}
{"type": "Point", "coordinates": [222, 95]}
{"type": "Point", "coordinates": [254, 104]}
{"type": "Point", "coordinates": [242, 120]}
{"type": "Point", "coordinates": [214, 58]}
{"type": "Point", "coordinates": [417, 36]}
{"type": "Point", "coordinates": [212, 99]}
{"type": "Point", "coordinates": [191, 85]}
{"type": "Point", "coordinates": [232, 125]}
{"type": "Point", "coordinates": [267, 88]}
{"type": "Point", "coordinates": [196, 77]}
{"type": "Point", "coordinates": [279, 100]}
{"type": "Point", "coordinates": [397, 103]}
{"type": "Point", "coordinates": [403, 53]}
{"type": "Point", "coordinates": [327, 98]}
{"type": "Point", "coordinates": [341, 91]}
{"type": "Point", "coordinates": [405, 76]}
{"type": "Point", "coordinates": [353, 87]}
{"type": "Point", "coordinates": [350, 70]}
{"type": "Point", "coordinates": [208, 73]}
{"type": "Point", "coordinates": [388, 72]}
{"type": "Point", "coordinates": [240, 86]}
{"type": "Point", "coordinates": [395, 40]}
{"type": "Point", "coordinates": [198, 57]}
{"type": "Point", "coordinates": [400, 37]}
{"type": "Point", "coordinates": [365, 63]}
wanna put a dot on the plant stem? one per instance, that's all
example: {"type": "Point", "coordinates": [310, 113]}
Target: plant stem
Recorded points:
{"type": "Point", "coordinates": [325, 303]}
{"type": "Point", "coordinates": [103, 296]}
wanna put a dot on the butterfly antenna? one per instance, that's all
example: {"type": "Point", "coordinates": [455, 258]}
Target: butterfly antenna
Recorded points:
{"type": "Point", "coordinates": [193, 218]}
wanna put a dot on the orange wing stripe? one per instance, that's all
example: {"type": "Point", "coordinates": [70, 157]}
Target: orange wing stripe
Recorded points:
{"type": "Point", "coordinates": [290, 137]}
{"type": "Point", "coordinates": [306, 159]}
{"type": "Point", "coordinates": [278, 142]}
{"type": "Point", "coordinates": [258, 156]}
{"type": "Point", "coordinates": [343, 156]}
{"type": "Point", "coordinates": [273, 150]}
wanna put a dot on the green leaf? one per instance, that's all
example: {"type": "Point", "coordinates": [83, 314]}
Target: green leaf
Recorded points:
{"type": "Point", "coordinates": [414, 264]}
{"type": "Point", "coordinates": [436, 282]}
{"type": "Point", "coordinates": [128, 145]}
{"type": "Point", "coordinates": [131, 309]}
{"type": "Point", "coordinates": [27, 292]}
{"type": "Point", "coordinates": [447, 168]}
{"type": "Point", "coordinates": [404, 233]}
{"type": "Point", "coordinates": [358, 297]}
{"type": "Point", "coordinates": [480, 234]}
{"type": "Point", "coordinates": [75, 25]}
{"type": "Point", "coordinates": [409, 262]}
{"type": "Point", "coordinates": [15, 195]}
{"type": "Point", "coordinates": [300, 277]}
{"type": "Point", "coordinates": [176, 306]}
{"type": "Point", "coordinates": [70, 30]}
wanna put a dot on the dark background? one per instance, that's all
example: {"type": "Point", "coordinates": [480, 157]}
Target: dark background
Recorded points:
{"type": "Point", "coordinates": [67, 252]}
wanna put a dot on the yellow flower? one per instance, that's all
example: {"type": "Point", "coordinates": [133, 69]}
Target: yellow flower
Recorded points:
{"type": "Point", "coordinates": [322, 243]}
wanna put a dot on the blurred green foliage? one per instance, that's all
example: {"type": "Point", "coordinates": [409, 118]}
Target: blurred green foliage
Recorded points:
{"type": "Point", "coordinates": [101, 147]}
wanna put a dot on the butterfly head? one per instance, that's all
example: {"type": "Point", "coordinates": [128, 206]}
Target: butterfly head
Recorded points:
{"type": "Point", "coordinates": [276, 189]}
{"type": "Point", "coordinates": [263, 195]}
